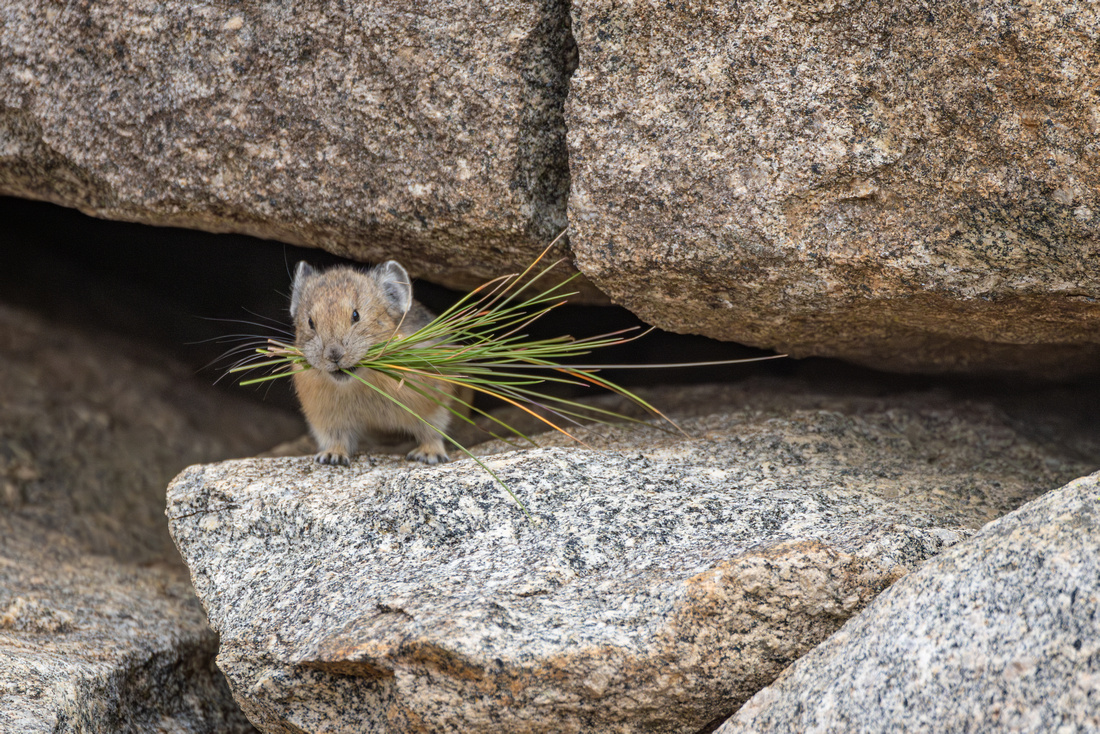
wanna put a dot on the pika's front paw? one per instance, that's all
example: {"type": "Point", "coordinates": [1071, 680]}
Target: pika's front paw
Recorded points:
{"type": "Point", "coordinates": [331, 457]}
{"type": "Point", "coordinates": [427, 455]}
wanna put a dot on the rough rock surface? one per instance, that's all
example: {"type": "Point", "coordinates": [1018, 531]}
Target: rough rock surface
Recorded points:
{"type": "Point", "coordinates": [665, 581]}
{"type": "Point", "coordinates": [92, 644]}
{"type": "Point", "coordinates": [94, 427]}
{"type": "Point", "coordinates": [1000, 633]}
{"type": "Point", "coordinates": [430, 131]}
{"type": "Point", "coordinates": [910, 186]}
{"type": "Point", "coordinates": [99, 629]}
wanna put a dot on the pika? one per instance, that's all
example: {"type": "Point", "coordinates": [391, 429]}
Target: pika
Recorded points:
{"type": "Point", "coordinates": [338, 315]}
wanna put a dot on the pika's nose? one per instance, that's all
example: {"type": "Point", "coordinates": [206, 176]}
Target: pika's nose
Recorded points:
{"type": "Point", "coordinates": [334, 353]}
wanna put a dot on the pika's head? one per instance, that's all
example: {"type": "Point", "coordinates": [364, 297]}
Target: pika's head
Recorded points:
{"type": "Point", "coordinates": [341, 313]}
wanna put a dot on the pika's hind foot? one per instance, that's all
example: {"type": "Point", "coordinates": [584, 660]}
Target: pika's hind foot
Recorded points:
{"type": "Point", "coordinates": [428, 455]}
{"type": "Point", "coordinates": [333, 458]}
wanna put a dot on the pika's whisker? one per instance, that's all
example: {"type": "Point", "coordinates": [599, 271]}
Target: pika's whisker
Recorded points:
{"type": "Point", "coordinates": [277, 326]}
{"type": "Point", "coordinates": [427, 367]}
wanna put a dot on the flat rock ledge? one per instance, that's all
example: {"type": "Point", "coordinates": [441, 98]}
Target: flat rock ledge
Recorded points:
{"type": "Point", "coordinates": [664, 581]}
{"type": "Point", "coordinates": [998, 634]}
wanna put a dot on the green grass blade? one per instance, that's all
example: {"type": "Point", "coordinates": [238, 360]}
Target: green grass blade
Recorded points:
{"type": "Point", "coordinates": [464, 450]}
{"type": "Point", "coordinates": [479, 344]}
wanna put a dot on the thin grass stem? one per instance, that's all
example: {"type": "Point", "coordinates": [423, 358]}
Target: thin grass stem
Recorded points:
{"type": "Point", "coordinates": [479, 344]}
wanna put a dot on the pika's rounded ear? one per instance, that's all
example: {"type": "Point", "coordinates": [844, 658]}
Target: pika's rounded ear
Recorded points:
{"type": "Point", "coordinates": [302, 271]}
{"type": "Point", "coordinates": [396, 286]}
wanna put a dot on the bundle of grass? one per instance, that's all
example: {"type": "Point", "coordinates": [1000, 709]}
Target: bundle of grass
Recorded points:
{"type": "Point", "coordinates": [479, 344]}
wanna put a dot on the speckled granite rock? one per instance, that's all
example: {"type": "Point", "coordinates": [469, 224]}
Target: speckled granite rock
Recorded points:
{"type": "Point", "coordinates": [92, 644]}
{"type": "Point", "coordinates": [914, 187]}
{"type": "Point", "coordinates": [429, 131]}
{"type": "Point", "coordinates": [1001, 633]}
{"type": "Point", "coordinates": [667, 579]}
{"type": "Point", "coordinates": [99, 628]}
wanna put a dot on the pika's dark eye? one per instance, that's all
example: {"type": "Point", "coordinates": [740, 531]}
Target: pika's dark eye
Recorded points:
{"type": "Point", "coordinates": [311, 324]}
{"type": "Point", "coordinates": [355, 315]}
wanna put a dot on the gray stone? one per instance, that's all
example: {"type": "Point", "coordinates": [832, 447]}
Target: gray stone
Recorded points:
{"type": "Point", "coordinates": [92, 644]}
{"type": "Point", "coordinates": [1000, 633]}
{"type": "Point", "coordinates": [913, 187]}
{"type": "Point", "coordinates": [99, 628]}
{"type": "Point", "coordinates": [95, 426]}
{"type": "Point", "coordinates": [665, 580]}
{"type": "Point", "coordinates": [428, 131]}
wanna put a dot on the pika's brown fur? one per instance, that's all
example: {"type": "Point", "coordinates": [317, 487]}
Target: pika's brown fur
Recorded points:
{"type": "Point", "coordinates": [338, 315]}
